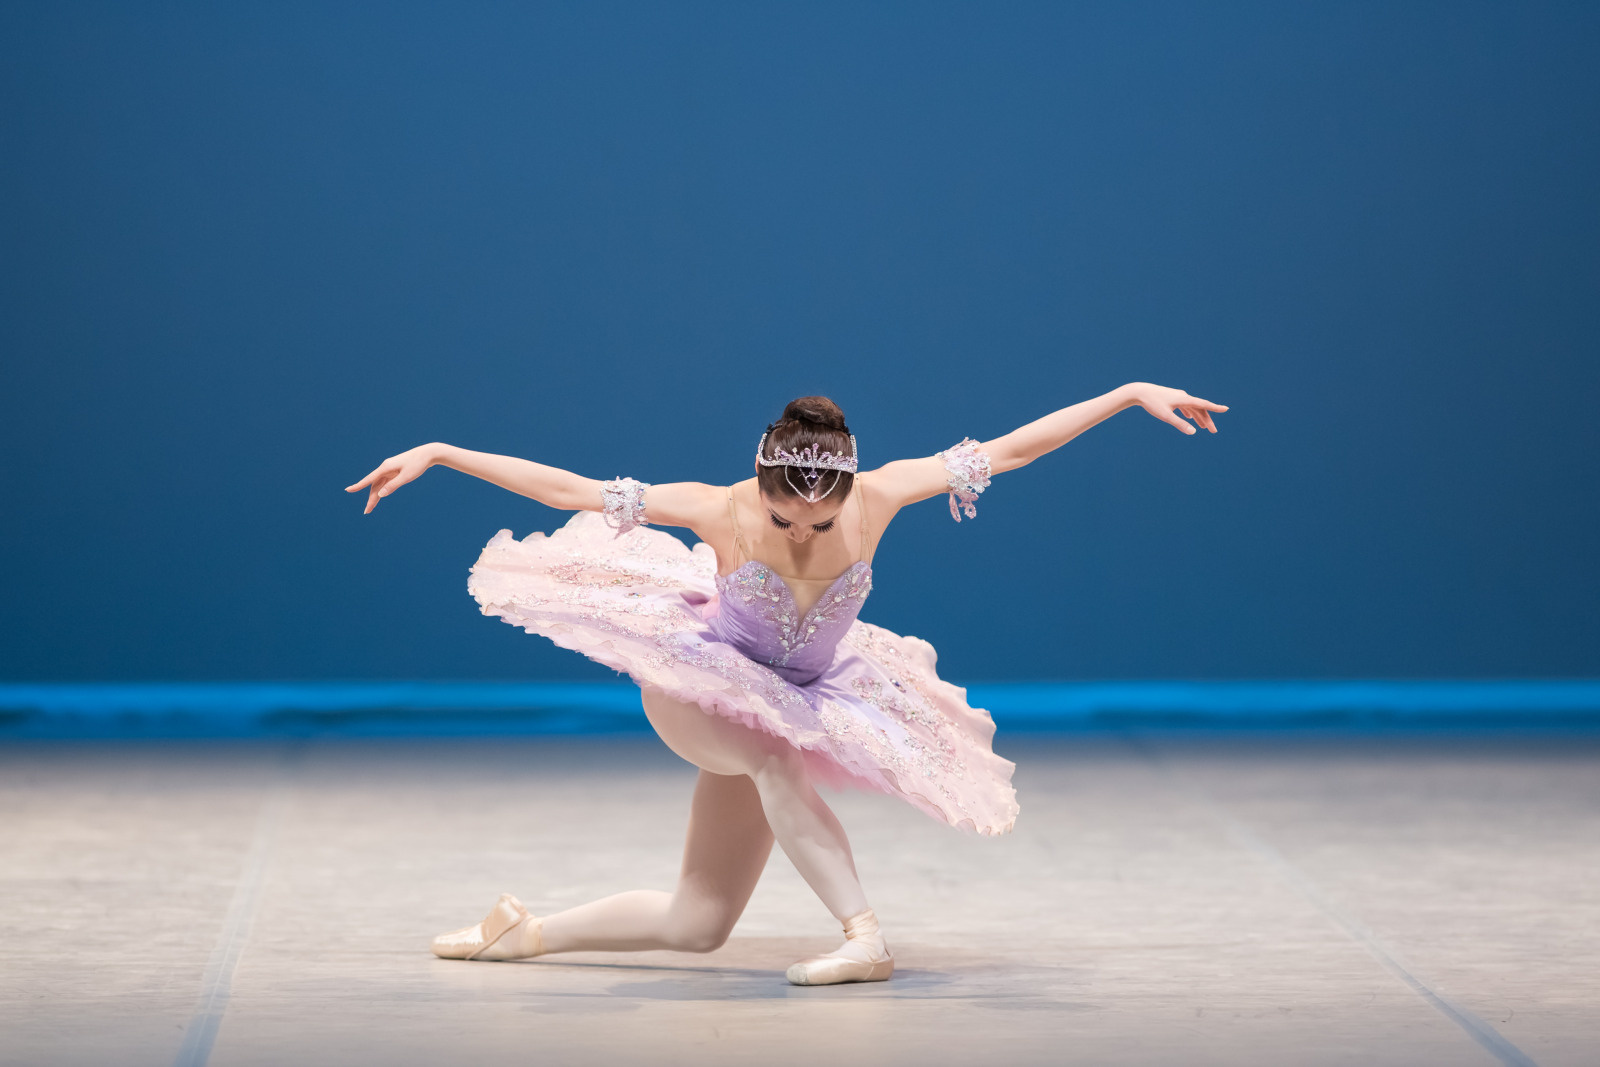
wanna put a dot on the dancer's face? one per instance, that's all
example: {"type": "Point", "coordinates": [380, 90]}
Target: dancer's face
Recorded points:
{"type": "Point", "coordinates": [798, 520]}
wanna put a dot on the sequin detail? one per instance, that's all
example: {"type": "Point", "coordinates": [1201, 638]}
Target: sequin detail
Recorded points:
{"type": "Point", "coordinates": [622, 503]}
{"type": "Point", "coordinates": [967, 474]}
{"type": "Point", "coordinates": [760, 588]}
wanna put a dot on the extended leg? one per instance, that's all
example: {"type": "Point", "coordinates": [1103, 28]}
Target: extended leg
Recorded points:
{"type": "Point", "coordinates": [728, 844]}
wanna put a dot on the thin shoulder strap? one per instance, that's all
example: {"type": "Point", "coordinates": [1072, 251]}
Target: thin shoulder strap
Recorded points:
{"type": "Point", "coordinates": [738, 535]}
{"type": "Point", "coordinates": [862, 504]}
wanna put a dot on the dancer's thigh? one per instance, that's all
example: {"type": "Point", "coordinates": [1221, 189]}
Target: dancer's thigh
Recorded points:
{"type": "Point", "coordinates": [710, 741]}
{"type": "Point", "coordinates": [727, 848]}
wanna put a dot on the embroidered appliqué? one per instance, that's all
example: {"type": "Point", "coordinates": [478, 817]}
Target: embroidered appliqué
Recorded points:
{"type": "Point", "coordinates": [967, 473]}
{"type": "Point", "coordinates": [622, 503]}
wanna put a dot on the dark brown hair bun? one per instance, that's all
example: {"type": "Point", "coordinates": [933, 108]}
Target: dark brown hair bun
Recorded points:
{"type": "Point", "coordinates": [817, 410]}
{"type": "Point", "coordinates": [807, 420]}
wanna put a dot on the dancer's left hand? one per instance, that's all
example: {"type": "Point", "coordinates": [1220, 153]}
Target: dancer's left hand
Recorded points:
{"type": "Point", "coordinates": [1167, 404]}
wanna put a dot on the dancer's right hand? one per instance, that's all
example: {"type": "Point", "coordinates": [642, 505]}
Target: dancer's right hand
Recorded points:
{"type": "Point", "coordinates": [394, 472]}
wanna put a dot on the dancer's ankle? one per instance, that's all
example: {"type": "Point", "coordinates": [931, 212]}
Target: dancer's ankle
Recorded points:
{"type": "Point", "coordinates": [521, 942]}
{"type": "Point", "coordinates": [864, 957]}
{"type": "Point", "coordinates": [863, 939]}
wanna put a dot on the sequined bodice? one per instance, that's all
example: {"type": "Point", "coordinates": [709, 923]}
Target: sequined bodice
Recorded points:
{"type": "Point", "coordinates": [758, 615]}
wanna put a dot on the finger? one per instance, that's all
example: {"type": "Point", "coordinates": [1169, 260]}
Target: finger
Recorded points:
{"type": "Point", "coordinates": [372, 500]}
{"type": "Point", "coordinates": [375, 491]}
{"type": "Point", "coordinates": [1209, 406]}
{"type": "Point", "coordinates": [377, 475]}
{"type": "Point", "coordinates": [392, 484]}
{"type": "Point", "coordinates": [1166, 416]}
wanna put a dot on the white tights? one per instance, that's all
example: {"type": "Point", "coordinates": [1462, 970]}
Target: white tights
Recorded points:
{"type": "Point", "coordinates": [752, 788]}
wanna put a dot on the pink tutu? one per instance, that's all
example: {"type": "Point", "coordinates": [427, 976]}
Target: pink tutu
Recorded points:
{"type": "Point", "coordinates": [877, 716]}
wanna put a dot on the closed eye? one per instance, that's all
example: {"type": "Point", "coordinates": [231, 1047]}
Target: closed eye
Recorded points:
{"type": "Point", "coordinates": [821, 527]}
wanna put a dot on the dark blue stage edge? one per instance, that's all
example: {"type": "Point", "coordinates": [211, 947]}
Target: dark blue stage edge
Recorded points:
{"type": "Point", "coordinates": [424, 708]}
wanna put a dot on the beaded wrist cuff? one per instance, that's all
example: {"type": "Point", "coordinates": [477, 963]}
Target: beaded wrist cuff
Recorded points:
{"type": "Point", "coordinates": [622, 502]}
{"type": "Point", "coordinates": [967, 473]}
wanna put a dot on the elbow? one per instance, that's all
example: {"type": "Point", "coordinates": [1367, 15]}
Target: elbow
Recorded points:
{"type": "Point", "coordinates": [1007, 459]}
{"type": "Point", "coordinates": [582, 494]}
{"type": "Point", "coordinates": [571, 500]}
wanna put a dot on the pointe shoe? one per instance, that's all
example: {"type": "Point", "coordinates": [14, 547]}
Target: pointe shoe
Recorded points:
{"type": "Point", "coordinates": [862, 958]}
{"type": "Point", "coordinates": [496, 937]}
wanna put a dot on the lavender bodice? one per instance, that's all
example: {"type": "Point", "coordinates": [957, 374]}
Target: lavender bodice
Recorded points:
{"type": "Point", "coordinates": [759, 617]}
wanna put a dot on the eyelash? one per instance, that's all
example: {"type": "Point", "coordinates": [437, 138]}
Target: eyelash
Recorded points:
{"type": "Point", "coordinates": [823, 528]}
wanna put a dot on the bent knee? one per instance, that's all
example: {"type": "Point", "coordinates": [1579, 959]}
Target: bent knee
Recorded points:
{"type": "Point", "coordinates": [701, 935]}
{"type": "Point", "coordinates": [701, 940]}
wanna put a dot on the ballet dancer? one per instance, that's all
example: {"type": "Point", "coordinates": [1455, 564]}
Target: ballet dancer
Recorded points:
{"type": "Point", "coordinates": [752, 664]}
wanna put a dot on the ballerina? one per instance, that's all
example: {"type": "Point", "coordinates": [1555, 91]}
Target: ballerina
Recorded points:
{"type": "Point", "coordinates": [752, 663]}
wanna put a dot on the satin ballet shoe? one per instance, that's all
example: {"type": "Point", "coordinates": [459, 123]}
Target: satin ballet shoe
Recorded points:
{"type": "Point", "coordinates": [504, 934]}
{"type": "Point", "coordinates": [862, 958]}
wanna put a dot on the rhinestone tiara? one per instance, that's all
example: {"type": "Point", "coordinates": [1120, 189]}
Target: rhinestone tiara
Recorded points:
{"type": "Point", "coordinates": [807, 457]}
{"type": "Point", "coordinates": [811, 463]}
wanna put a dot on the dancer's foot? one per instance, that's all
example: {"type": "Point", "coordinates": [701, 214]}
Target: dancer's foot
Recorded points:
{"type": "Point", "coordinates": [862, 958]}
{"type": "Point", "coordinates": [508, 932]}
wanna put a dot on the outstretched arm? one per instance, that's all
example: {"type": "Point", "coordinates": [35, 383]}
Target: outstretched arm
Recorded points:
{"type": "Point", "coordinates": [552, 486]}
{"type": "Point", "coordinates": [1027, 443]}
{"type": "Point", "coordinates": [673, 504]}
{"type": "Point", "coordinates": [906, 481]}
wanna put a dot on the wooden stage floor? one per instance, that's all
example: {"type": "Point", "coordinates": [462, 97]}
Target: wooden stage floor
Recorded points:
{"type": "Point", "coordinates": [1164, 900]}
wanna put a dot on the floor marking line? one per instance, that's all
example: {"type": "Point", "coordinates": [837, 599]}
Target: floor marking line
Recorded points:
{"type": "Point", "coordinates": [216, 985]}
{"type": "Point", "coordinates": [1481, 1031]}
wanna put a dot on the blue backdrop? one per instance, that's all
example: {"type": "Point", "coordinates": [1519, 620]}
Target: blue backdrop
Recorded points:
{"type": "Point", "coordinates": [252, 249]}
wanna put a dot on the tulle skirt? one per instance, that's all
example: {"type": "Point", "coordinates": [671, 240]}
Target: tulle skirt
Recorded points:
{"type": "Point", "coordinates": [878, 718]}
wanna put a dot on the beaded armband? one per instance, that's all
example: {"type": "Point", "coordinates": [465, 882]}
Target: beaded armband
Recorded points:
{"type": "Point", "coordinates": [622, 502]}
{"type": "Point", "coordinates": [967, 472]}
